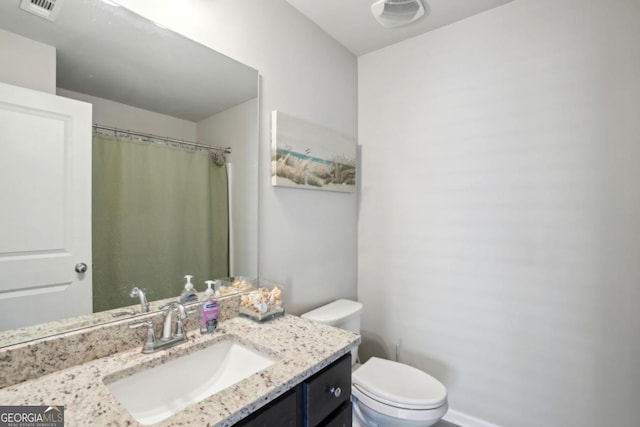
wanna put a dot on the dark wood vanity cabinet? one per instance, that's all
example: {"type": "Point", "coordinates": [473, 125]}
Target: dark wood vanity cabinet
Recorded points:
{"type": "Point", "coordinates": [327, 393]}
{"type": "Point", "coordinates": [285, 411]}
{"type": "Point", "coordinates": [340, 418]}
{"type": "Point", "coordinates": [323, 400]}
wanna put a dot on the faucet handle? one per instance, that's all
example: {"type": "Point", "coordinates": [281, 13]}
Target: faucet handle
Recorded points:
{"type": "Point", "coordinates": [179, 329]}
{"type": "Point", "coordinates": [183, 313]}
{"type": "Point", "coordinates": [149, 345]}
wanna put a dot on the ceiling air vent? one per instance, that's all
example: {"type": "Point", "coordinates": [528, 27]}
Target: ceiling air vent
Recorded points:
{"type": "Point", "coordinates": [47, 9]}
{"type": "Point", "coordinates": [396, 13]}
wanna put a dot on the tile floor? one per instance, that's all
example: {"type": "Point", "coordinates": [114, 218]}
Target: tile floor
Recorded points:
{"type": "Point", "coordinates": [444, 424]}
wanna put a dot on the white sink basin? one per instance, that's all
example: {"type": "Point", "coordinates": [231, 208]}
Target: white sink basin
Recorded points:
{"type": "Point", "coordinates": [159, 392]}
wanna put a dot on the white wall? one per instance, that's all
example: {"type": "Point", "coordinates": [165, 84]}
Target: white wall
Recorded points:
{"type": "Point", "coordinates": [27, 63]}
{"type": "Point", "coordinates": [307, 238]}
{"type": "Point", "coordinates": [500, 211]}
{"type": "Point", "coordinates": [237, 128]}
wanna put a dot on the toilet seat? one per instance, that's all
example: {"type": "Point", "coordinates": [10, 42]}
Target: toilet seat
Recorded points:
{"type": "Point", "coordinates": [363, 403]}
{"type": "Point", "coordinates": [387, 383]}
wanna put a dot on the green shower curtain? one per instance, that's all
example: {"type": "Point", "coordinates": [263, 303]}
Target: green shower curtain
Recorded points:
{"type": "Point", "coordinates": [159, 213]}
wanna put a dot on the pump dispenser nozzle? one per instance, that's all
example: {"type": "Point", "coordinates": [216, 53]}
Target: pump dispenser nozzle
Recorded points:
{"type": "Point", "coordinates": [208, 293]}
{"type": "Point", "coordinates": [189, 293]}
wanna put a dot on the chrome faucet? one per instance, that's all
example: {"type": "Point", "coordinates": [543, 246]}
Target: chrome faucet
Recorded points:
{"type": "Point", "coordinates": [166, 330]}
{"type": "Point", "coordinates": [139, 293]}
{"type": "Point", "coordinates": [168, 339]}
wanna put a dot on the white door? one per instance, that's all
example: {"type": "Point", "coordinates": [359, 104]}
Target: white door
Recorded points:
{"type": "Point", "coordinates": [45, 207]}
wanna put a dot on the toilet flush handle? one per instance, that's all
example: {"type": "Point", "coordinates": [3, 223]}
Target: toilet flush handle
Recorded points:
{"type": "Point", "coordinates": [336, 391]}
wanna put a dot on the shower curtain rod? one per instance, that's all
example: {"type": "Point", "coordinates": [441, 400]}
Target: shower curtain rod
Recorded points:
{"type": "Point", "coordinates": [163, 138]}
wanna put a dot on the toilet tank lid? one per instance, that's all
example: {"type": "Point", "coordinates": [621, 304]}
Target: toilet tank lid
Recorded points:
{"type": "Point", "coordinates": [335, 312]}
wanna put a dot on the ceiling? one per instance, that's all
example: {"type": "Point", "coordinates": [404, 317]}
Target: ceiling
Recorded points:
{"type": "Point", "coordinates": [351, 23]}
{"type": "Point", "coordinates": [112, 53]}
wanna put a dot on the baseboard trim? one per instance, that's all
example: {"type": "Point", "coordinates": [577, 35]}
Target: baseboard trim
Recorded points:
{"type": "Point", "coordinates": [464, 420]}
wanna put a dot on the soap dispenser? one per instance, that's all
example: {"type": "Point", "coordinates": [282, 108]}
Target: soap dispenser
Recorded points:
{"type": "Point", "coordinates": [189, 294]}
{"type": "Point", "coordinates": [209, 310]}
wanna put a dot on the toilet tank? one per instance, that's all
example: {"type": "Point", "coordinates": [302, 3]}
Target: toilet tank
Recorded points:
{"type": "Point", "coordinates": [343, 314]}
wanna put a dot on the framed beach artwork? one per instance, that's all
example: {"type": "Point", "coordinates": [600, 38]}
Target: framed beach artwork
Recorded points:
{"type": "Point", "coordinates": [309, 156]}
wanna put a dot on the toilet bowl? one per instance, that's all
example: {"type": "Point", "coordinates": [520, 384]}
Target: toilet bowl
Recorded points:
{"type": "Point", "coordinates": [385, 393]}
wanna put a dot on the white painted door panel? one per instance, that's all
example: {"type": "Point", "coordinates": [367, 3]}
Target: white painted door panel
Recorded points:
{"type": "Point", "coordinates": [45, 209]}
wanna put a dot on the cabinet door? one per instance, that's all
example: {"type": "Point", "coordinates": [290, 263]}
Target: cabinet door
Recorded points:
{"type": "Point", "coordinates": [341, 418]}
{"type": "Point", "coordinates": [326, 391]}
{"type": "Point", "coordinates": [45, 207]}
{"type": "Point", "coordinates": [282, 412]}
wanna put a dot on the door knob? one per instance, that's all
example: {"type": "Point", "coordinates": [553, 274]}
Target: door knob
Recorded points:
{"type": "Point", "coordinates": [81, 268]}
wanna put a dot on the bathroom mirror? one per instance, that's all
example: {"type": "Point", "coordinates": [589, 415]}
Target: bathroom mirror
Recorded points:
{"type": "Point", "coordinates": [106, 52]}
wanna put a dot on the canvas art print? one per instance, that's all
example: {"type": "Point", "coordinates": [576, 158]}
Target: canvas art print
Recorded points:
{"type": "Point", "coordinates": [305, 155]}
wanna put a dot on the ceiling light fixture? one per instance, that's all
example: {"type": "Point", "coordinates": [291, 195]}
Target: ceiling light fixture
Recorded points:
{"type": "Point", "coordinates": [396, 13]}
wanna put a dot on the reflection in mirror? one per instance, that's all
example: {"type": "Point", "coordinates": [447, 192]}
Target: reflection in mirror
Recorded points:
{"type": "Point", "coordinates": [146, 79]}
{"type": "Point", "coordinates": [158, 211]}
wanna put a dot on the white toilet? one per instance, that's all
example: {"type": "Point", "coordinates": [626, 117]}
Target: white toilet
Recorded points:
{"type": "Point", "coordinates": [385, 393]}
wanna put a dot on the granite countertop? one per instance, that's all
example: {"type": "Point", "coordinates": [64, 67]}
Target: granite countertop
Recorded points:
{"type": "Point", "coordinates": [300, 347]}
